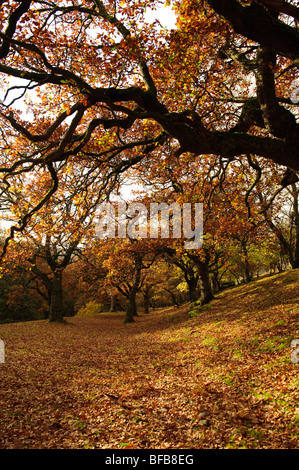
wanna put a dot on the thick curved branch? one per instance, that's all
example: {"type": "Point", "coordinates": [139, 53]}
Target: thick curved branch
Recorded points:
{"type": "Point", "coordinates": [257, 24]}
{"type": "Point", "coordinates": [278, 121]}
{"type": "Point", "coordinates": [12, 24]}
{"type": "Point", "coordinates": [194, 138]}
{"type": "Point", "coordinates": [281, 6]}
{"type": "Point", "coordinates": [251, 115]}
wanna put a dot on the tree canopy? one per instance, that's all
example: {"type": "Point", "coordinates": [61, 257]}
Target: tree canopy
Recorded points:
{"type": "Point", "coordinates": [109, 90]}
{"type": "Point", "coordinates": [95, 93]}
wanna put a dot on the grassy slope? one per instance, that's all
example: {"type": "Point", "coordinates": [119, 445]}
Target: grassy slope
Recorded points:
{"type": "Point", "coordinates": [223, 379]}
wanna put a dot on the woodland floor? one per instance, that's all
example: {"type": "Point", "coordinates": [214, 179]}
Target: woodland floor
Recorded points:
{"type": "Point", "coordinates": [223, 379]}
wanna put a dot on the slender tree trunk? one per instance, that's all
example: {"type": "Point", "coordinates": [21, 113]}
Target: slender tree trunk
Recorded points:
{"type": "Point", "coordinates": [56, 302]}
{"type": "Point", "coordinates": [112, 303]}
{"type": "Point", "coordinates": [174, 298]}
{"type": "Point", "coordinates": [285, 245]}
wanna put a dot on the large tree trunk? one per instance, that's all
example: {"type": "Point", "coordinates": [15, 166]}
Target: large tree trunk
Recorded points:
{"type": "Point", "coordinates": [296, 257]}
{"type": "Point", "coordinates": [131, 311]}
{"type": "Point", "coordinates": [131, 308]}
{"type": "Point", "coordinates": [248, 276]}
{"type": "Point", "coordinates": [215, 281]}
{"type": "Point", "coordinates": [206, 287]}
{"type": "Point", "coordinates": [192, 285]}
{"type": "Point", "coordinates": [295, 263]}
{"type": "Point", "coordinates": [146, 298]}
{"type": "Point", "coordinates": [56, 302]}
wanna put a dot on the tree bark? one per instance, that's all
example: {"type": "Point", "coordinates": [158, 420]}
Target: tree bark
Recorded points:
{"type": "Point", "coordinates": [146, 298]}
{"type": "Point", "coordinates": [257, 24]}
{"type": "Point", "coordinates": [112, 303]}
{"type": "Point", "coordinates": [131, 311]}
{"type": "Point", "coordinates": [206, 288]}
{"type": "Point", "coordinates": [247, 273]}
{"type": "Point", "coordinates": [192, 284]}
{"type": "Point", "coordinates": [295, 193]}
{"type": "Point", "coordinates": [56, 304]}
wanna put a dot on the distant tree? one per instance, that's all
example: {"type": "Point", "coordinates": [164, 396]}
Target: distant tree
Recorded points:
{"type": "Point", "coordinates": [54, 239]}
{"type": "Point", "coordinates": [128, 266]}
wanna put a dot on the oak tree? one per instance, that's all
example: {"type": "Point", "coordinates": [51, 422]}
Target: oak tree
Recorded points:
{"type": "Point", "coordinates": [110, 90]}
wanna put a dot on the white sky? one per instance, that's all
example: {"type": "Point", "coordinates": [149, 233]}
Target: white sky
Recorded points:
{"type": "Point", "coordinates": [165, 15]}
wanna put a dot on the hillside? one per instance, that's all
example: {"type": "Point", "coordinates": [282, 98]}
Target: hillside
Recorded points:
{"type": "Point", "coordinates": [221, 379]}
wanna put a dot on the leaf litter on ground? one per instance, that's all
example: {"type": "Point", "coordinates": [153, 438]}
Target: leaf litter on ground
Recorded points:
{"type": "Point", "coordinates": [221, 379]}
